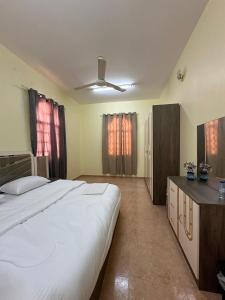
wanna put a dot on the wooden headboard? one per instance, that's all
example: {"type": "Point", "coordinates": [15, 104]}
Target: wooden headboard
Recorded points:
{"type": "Point", "coordinates": [15, 166]}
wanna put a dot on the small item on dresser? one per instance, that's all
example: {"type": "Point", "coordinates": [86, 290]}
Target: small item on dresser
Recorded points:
{"type": "Point", "coordinates": [204, 169]}
{"type": "Point", "coordinates": [222, 189]}
{"type": "Point", "coordinates": [190, 167]}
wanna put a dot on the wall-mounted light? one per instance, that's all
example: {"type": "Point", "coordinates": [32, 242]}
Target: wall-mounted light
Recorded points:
{"type": "Point", "coordinates": [181, 75]}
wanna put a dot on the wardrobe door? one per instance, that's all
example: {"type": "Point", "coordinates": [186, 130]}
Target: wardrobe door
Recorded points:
{"type": "Point", "coordinates": [150, 155]}
{"type": "Point", "coordinates": [145, 151]}
{"type": "Point", "coordinates": [166, 148]}
{"type": "Point", "coordinates": [146, 158]}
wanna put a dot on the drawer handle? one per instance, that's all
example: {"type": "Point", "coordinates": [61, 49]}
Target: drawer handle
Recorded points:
{"type": "Point", "coordinates": [188, 229]}
{"type": "Point", "coordinates": [180, 219]}
{"type": "Point", "coordinates": [172, 190]}
{"type": "Point", "coordinates": [171, 204]}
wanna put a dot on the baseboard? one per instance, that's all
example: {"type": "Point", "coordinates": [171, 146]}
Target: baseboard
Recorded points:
{"type": "Point", "coordinates": [77, 178]}
{"type": "Point", "coordinates": [109, 176]}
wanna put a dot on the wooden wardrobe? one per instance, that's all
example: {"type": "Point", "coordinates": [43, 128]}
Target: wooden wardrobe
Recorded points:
{"type": "Point", "coordinates": [162, 149]}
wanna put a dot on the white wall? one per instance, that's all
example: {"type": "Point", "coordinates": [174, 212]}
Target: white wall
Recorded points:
{"type": "Point", "coordinates": [202, 97]}
{"type": "Point", "coordinates": [202, 94]}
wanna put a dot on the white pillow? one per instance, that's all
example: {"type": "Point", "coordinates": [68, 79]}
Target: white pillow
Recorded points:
{"type": "Point", "coordinates": [23, 184]}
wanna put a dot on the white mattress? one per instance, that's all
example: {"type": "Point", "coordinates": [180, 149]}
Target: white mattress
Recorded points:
{"type": "Point", "coordinates": [54, 240]}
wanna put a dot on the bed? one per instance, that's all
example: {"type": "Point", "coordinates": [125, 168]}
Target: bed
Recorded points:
{"type": "Point", "coordinates": [53, 239]}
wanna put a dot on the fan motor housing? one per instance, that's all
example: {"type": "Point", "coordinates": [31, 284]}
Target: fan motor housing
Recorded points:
{"type": "Point", "coordinates": [100, 83]}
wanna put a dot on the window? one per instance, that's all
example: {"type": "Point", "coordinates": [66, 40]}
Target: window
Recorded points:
{"type": "Point", "coordinates": [43, 113]}
{"type": "Point", "coordinates": [56, 123]}
{"type": "Point", "coordinates": [119, 141]}
{"type": "Point", "coordinates": [48, 132]}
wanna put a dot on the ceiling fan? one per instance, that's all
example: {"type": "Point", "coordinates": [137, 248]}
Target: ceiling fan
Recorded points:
{"type": "Point", "coordinates": [101, 78]}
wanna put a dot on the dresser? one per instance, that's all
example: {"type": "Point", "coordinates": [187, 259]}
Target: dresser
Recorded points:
{"type": "Point", "coordinates": [197, 218]}
{"type": "Point", "coordinates": [162, 149]}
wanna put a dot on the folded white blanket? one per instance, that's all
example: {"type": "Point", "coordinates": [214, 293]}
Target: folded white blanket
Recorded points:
{"type": "Point", "coordinates": [95, 189]}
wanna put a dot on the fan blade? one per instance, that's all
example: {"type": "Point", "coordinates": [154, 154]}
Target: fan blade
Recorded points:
{"type": "Point", "coordinates": [116, 87]}
{"type": "Point", "coordinates": [85, 86]}
{"type": "Point", "coordinates": [101, 68]}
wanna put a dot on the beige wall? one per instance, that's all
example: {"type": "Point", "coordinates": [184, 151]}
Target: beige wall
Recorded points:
{"type": "Point", "coordinates": [202, 97]}
{"type": "Point", "coordinates": [83, 122]}
{"type": "Point", "coordinates": [91, 136]}
{"type": "Point", "coordinates": [202, 94]}
{"type": "Point", "coordinates": [14, 113]}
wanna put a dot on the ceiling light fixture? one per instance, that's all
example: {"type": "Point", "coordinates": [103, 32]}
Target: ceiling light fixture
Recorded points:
{"type": "Point", "coordinates": [101, 82]}
{"type": "Point", "coordinates": [96, 88]}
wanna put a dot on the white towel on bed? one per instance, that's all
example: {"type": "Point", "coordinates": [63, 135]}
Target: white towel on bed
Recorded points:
{"type": "Point", "coordinates": [95, 189]}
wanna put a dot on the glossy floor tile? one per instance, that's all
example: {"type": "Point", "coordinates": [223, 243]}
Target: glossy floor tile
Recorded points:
{"type": "Point", "coordinates": [145, 261]}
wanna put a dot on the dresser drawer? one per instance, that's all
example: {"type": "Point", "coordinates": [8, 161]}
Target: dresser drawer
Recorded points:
{"type": "Point", "coordinates": [189, 230]}
{"type": "Point", "coordinates": [173, 219]}
{"type": "Point", "coordinates": [173, 206]}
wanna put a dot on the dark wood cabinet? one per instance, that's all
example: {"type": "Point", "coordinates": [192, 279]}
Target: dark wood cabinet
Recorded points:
{"type": "Point", "coordinates": [197, 216]}
{"type": "Point", "coordinates": [164, 128]}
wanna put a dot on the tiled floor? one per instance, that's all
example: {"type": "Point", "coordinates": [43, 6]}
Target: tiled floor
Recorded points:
{"type": "Point", "coordinates": [145, 262]}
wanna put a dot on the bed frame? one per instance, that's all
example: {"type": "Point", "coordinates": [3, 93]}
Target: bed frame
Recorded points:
{"type": "Point", "coordinates": [17, 165]}
{"type": "Point", "coordinates": [14, 166]}
{"type": "Point", "coordinates": [97, 290]}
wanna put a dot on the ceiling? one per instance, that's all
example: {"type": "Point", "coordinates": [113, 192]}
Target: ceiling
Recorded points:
{"type": "Point", "coordinates": [140, 39]}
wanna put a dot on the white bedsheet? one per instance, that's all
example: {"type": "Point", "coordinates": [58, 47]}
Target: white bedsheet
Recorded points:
{"type": "Point", "coordinates": [54, 241]}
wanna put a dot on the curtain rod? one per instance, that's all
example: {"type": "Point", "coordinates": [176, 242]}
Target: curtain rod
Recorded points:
{"type": "Point", "coordinates": [24, 88]}
{"type": "Point", "coordinates": [119, 114]}
{"type": "Point", "coordinates": [21, 87]}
